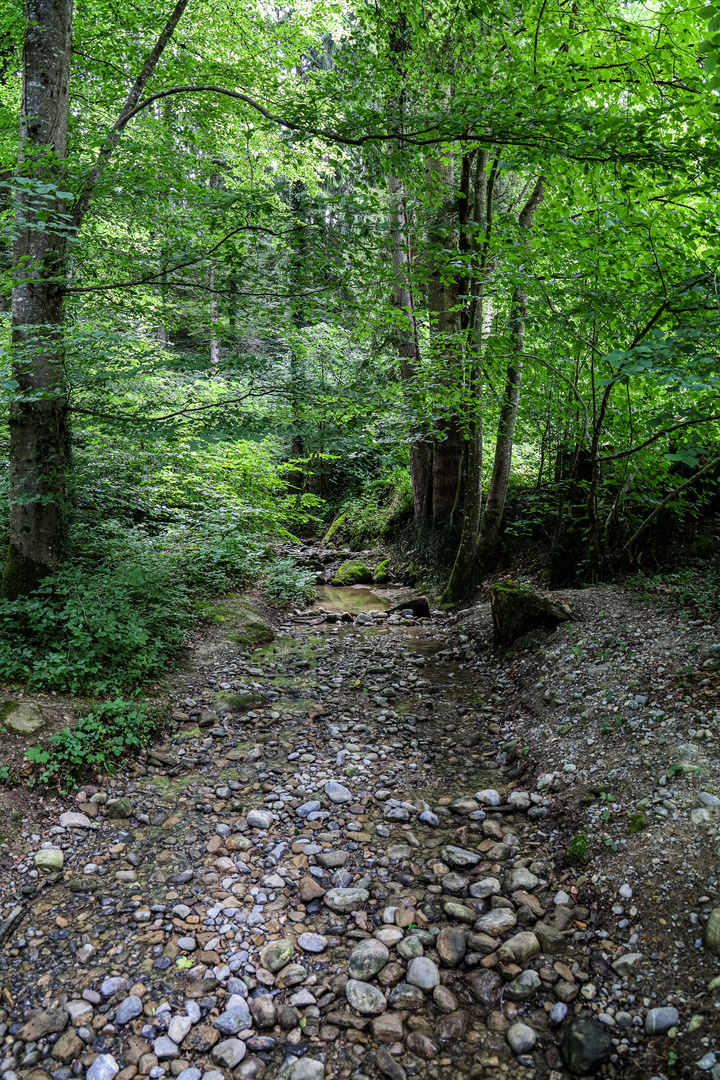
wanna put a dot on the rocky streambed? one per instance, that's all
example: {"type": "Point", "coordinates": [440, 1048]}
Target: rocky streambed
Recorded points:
{"type": "Point", "coordinates": [366, 849]}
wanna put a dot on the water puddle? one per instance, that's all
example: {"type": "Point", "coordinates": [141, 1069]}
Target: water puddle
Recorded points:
{"type": "Point", "coordinates": [355, 598]}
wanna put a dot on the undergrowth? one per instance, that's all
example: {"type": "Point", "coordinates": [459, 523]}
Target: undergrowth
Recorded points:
{"type": "Point", "coordinates": [694, 590]}
{"type": "Point", "coordinates": [97, 744]}
{"type": "Point", "coordinates": [106, 627]}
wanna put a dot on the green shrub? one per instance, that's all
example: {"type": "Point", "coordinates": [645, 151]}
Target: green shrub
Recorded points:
{"type": "Point", "coordinates": [94, 632]}
{"type": "Point", "coordinates": [98, 743]}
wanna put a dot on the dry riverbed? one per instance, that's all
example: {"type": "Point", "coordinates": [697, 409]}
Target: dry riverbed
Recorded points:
{"type": "Point", "coordinates": [377, 848]}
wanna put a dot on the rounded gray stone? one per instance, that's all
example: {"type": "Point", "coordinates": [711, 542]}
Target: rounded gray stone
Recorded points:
{"type": "Point", "coordinates": [423, 973]}
{"type": "Point", "coordinates": [260, 819]}
{"type": "Point", "coordinates": [337, 793]}
{"type": "Point", "coordinates": [521, 1038]}
{"type": "Point", "coordinates": [558, 1012]}
{"type": "Point", "coordinates": [367, 959]}
{"type": "Point", "coordinates": [662, 1019]}
{"type": "Point", "coordinates": [229, 1052]}
{"type": "Point", "coordinates": [164, 1048]}
{"type": "Point", "coordinates": [365, 998]}
{"type": "Point", "coordinates": [312, 943]}
{"type": "Point", "coordinates": [344, 900]}
{"type": "Point", "coordinates": [128, 1010]}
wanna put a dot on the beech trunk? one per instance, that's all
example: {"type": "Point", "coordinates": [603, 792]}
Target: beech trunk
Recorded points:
{"type": "Point", "coordinates": [38, 417]}
{"type": "Point", "coordinates": [498, 487]}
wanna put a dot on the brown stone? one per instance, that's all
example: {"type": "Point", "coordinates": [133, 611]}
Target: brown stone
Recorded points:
{"type": "Point", "coordinates": [566, 991]}
{"type": "Point", "coordinates": [388, 1027]}
{"type": "Point", "coordinates": [452, 1027]}
{"type": "Point", "coordinates": [146, 1063]}
{"type": "Point", "coordinates": [391, 974]}
{"type": "Point", "coordinates": [201, 1038]}
{"type": "Point", "coordinates": [134, 1049]}
{"type": "Point", "coordinates": [128, 1073]}
{"type": "Point", "coordinates": [421, 1045]}
{"type": "Point", "coordinates": [45, 1023]}
{"type": "Point", "coordinates": [310, 890]}
{"type": "Point", "coordinates": [68, 1046]}
{"type": "Point", "coordinates": [210, 958]}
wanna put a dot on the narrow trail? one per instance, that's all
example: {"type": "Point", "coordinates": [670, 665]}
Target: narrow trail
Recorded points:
{"type": "Point", "coordinates": [333, 866]}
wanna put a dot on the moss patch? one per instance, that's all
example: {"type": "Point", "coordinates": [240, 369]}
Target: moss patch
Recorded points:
{"type": "Point", "coordinates": [381, 574]}
{"type": "Point", "coordinates": [579, 851]}
{"type": "Point", "coordinates": [353, 573]}
{"type": "Point", "coordinates": [637, 823]}
{"type": "Point", "coordinates": [336, 526]}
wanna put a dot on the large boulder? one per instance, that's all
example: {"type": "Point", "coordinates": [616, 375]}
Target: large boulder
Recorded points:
{"type": "Point", "coordinates": [517, 609]}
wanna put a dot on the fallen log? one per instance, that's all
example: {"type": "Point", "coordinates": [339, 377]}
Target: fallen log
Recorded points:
{"type": "Point", "coordinates": [517, 609]}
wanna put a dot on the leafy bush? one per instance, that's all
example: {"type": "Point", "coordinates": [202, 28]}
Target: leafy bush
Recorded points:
{"type": "Point", "coordinates": [285, 583]}
{"type": "Point", "coordinates": [99, 632]}
{"type": "Point", "coordinates": [695, 590]}
{"type": "Point", "coordinates": [381, 508]}
{"type": "Point", "coordinates": [98, 743]}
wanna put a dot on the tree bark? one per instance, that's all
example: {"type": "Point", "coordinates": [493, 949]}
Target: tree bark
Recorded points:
{"type": "Point", "coordinates": [445, 330]}
{"type": "Point", "coordinates": [498, 488]}
{"type": "Point", "coordinates": [463, 572]}
{"type": "Point", "coordinates": [408, 350]}
{"type": "Point", "coordinates": [38, 417]}
{"type": "Point", "coordinates": [298, 277]}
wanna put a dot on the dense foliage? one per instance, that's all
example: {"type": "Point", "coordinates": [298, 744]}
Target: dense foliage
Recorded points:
{"type": "Point", "coordinates": [333, 245]}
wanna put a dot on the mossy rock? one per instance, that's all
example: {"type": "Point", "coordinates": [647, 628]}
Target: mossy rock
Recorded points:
{"type": "Point", "coordinates": [579, 851]}
{"type": "Point", "coordinates": [381, 574]}
{"type": "Point", "coordinates": [353, 573]}
{"type": "Point", "coordinates": [637, 823]}
{"type": "Point", "coordinates": [236, 702]}
{"type": "Point", "coordinates": [252, 633]}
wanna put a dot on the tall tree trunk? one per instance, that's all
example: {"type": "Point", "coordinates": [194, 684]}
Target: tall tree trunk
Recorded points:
{"type": "Point", "coordinates": [498, 488]}
{"type": "Point", "coordinates": [38, 418]}
{"type": "Point", "coordinates": [407, 348]}
{"type": "Point", "coordinates": [298, 276]}
{"type": "Point", "coordinates": [463, 571]}
{"type": "Point", "coordinates": [445, 330]}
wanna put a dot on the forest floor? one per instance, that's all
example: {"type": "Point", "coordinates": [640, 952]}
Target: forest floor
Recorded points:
{"type": "Point", "coordinates": [352, 855]}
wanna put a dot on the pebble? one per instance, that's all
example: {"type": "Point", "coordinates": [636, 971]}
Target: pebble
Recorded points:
{"type": "Point", "coordinates": [521, 1038]}
{"type": "Point", "coordinates": [432, 922]}
{"type": "Point", "coordinates": [366, 998]}
{"type": "Point", "coordinates": [659, 1020]}
{"type": "Point", "coordinates": [367, 959]}
{"type": "Point", "coordinates": [128, 1010]}
{"type": "Point", "coordinates": [104, 1067]}
{"type": "Point", "coordinates": [423, 973]}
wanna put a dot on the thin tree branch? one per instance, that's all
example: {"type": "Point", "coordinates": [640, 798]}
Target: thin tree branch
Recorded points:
{"type": "Point", "coordinates": [115, 417]}
{"type": "Point", "coordinates": [668, 498]}
{"type": "Point", "coordinates": [659, 435]}
{"type": "Point", "coordinates": [106, 150]}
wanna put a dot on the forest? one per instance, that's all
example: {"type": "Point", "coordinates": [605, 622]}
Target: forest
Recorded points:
{"type": "Point", "coordinates": [443, 276]}
{"type": "Point", "coordinates": [360, 532]}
